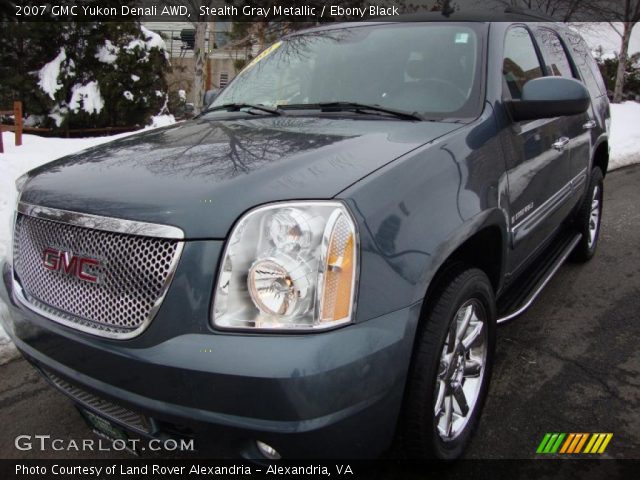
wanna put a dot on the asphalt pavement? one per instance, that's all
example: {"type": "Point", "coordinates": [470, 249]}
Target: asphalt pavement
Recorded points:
{"type": "Point", "coordinates": [571, 363]}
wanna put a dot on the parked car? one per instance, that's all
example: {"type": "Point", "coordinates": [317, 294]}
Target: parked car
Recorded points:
{"type": "Point", "coordinates": [317, 264]}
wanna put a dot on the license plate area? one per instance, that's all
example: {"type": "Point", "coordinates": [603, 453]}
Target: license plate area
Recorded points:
{"type": "Point", "coordinates": [105, 428]}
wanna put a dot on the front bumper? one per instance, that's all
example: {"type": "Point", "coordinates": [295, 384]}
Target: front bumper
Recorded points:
{"type": "Point", "coordinates": [331, 394]}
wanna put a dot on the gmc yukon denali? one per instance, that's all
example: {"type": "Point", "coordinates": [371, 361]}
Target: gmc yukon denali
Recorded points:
{"type": "Point", "coordinates": [316, 265]}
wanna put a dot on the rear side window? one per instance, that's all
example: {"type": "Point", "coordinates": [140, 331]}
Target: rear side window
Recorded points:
{"type": "Point", "coordinates": [554, 54]}
{"type": "Point", "coordinates": [586, 64]}
{"type": "Point", "coordinates": [521, 62]}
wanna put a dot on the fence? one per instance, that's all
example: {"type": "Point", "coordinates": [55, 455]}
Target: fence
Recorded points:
{"type": "Point", "coordinates": [16, 128]}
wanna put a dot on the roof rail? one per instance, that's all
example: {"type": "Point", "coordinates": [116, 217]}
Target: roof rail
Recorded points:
{"type": "Point", "coordinates": [530, 13]}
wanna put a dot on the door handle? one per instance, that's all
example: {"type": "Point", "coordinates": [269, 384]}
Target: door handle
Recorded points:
{"type": "Point", "coordinates": [560, 143]}
{"type": "Point", "coordinates": [590, 125]}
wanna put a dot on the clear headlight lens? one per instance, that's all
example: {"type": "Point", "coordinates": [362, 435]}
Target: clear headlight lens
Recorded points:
{"type": "Point", "coordinates": [289, 266]}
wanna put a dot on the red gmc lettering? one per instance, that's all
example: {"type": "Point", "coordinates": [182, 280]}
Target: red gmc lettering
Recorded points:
{"type": "Point", "coordinates": [82, 274]}
{"type": "Point", "coordinates": [69, 264]}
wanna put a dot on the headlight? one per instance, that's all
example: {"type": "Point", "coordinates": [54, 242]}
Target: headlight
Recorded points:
{"type": "Point", "coordinates": [289, 266]}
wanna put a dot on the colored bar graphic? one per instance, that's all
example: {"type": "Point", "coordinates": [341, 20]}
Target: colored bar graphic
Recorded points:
{"type": "Point", "coordinates": [567, 443]}
{"type": "Point", "coordinates": [605, 443]}
{"type": "Point", "coordinates": [581, 443]}
{"type": "Point", "coordinates": [573, 443]}
{"type": "Point", "coordinates": [543, 443]}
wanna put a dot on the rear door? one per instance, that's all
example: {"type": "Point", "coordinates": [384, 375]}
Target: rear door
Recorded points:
{"type": "Point", "coordinates": [577, 127]}
{"type": "Point", "coordinates": [538, 162]}
{"type": "Point", "coordinates": [590, 75]}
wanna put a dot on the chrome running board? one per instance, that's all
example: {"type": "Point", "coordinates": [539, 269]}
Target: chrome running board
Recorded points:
{"type": "Point", "coordinates": [519, 298]}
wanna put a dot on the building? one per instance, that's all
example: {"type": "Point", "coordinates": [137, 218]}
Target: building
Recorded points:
{"type": "Point", "coordinates": [222, 62]}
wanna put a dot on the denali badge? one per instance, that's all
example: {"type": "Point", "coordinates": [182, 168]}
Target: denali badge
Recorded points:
{"type": "Point", "coordinates": [70, 264]}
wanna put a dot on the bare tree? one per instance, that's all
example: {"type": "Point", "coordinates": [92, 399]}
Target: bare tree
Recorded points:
{"type": "Point", "coordinates": [627, 12]}
{"type": "Point", "coordinates": [200, 53]}
{"type": "Point", "coordinates": [561, 10]}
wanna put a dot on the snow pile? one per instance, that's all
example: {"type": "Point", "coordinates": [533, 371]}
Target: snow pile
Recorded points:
{"type": "Point", "coordinates": [162, 121]}
{"type": "Point", "coordinates": [88, 95]}
{"type": "Point", "coordinates": [7, 349]}
{"type": "Point", "coordinates": [49, 74]}
{"type": "Point", "coordinates": [625, 134]}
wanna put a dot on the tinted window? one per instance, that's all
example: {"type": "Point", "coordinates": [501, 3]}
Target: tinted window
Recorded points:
{"type": "Point", "coordinates": [554, 54]}
{"type": "Point", "coordinates": [521, 62]}
{"type": "Point", "coordinates": [586, 64]}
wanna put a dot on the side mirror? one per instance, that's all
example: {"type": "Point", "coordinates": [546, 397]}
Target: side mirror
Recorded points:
{"type": "Point", "coordinates": [550, 97]}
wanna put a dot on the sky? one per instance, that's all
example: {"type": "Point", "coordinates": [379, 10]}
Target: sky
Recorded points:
{"type": "Point", "coordinates": [603, 34]}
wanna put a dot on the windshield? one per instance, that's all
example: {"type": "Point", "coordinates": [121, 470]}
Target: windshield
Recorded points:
{"type": "Point", "coordinates": [430, 68]}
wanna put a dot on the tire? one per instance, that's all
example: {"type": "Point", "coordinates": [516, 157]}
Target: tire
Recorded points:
{"type": "Point", "coordinates": [588, 219]}
{"type": "Point", "coordinates": [430, 383]}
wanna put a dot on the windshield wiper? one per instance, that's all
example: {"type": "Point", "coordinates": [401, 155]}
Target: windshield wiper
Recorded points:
{"type": "Point", "coordinates": [235, 107]}
{"type": "Point", "coordinates": [355, 107]}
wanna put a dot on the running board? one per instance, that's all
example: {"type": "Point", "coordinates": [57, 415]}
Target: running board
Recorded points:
{"type": "Point", "coordinates": [523, 293]}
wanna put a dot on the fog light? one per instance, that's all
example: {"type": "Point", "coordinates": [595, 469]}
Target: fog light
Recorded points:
{"type": "Point", "coordinates": [268, 451]}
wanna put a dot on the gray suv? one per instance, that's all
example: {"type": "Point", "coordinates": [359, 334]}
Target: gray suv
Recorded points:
{"type": "Point", "coordinates": [316, 265]}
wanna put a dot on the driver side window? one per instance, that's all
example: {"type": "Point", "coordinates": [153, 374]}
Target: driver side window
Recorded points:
{"type": "Point", "coordinates": [521, 62]}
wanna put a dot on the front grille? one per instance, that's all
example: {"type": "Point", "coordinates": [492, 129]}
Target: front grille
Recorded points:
{"type": "Point", "coordinates": [133, 275]}
{"type": "Point", "coordinates": [106, 408]}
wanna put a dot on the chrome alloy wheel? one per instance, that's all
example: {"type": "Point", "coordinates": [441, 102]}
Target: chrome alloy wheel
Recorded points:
{"type": "Point", "coordinates": [594, 219]}
{"type": "Point", "coordinates": [462, 366]}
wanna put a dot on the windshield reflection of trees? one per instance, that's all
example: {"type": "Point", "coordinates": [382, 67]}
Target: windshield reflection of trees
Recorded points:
{"type": "Point", "coordinates": [294, 67]}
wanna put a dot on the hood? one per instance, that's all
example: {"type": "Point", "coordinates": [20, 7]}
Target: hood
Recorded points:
{"type": "Point", "coordinates": [203, 174]}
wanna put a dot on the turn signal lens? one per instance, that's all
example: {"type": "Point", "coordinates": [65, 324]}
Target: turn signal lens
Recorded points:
{"type": "Point", "coordinates": [339, 278]}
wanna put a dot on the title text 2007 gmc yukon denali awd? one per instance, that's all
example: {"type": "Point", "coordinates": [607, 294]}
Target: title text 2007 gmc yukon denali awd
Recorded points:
{"type": "Point", "coordinates": [316, 265]}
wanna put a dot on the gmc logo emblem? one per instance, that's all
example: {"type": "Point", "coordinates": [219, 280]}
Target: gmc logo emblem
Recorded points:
{"type": "Point", "coordinates": [70, 264]}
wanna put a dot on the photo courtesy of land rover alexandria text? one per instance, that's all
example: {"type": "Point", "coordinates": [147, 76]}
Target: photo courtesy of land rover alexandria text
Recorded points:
{"type": "Point", "coordinates": [316, 265]}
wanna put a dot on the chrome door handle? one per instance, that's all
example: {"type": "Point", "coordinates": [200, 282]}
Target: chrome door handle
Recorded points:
{"type": "Point", "coordinates": [560, 143]}
{"type": "Point", "coordinates": [590, 125]}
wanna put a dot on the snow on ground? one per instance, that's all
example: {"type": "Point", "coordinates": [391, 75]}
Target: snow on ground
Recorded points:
{"type": "Point", "coordinates": [625, 150]}
{"type": "Point", "coordinates": [625, 135]}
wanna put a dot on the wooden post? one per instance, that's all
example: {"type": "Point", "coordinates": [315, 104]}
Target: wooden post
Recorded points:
{"type": "Point", "coordinates": [17, 120]}
{"type": "Point", "coordinates": [1, 146]}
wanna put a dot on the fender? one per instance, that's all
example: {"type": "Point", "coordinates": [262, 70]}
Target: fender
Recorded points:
{"type": "Point", "coordinates": [486, 219]}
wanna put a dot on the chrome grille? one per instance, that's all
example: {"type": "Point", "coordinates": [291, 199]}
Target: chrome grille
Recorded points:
{"type": "Point", "coordinates": [133, 275]}
{"type": "Point", "coordinates": [106, 408]}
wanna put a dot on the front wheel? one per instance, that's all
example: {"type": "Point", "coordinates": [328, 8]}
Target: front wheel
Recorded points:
{"type": "Point", "coordinates": [451, 368]}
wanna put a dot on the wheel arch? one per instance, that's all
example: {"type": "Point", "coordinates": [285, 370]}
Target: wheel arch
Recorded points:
{"type": "Point", "coordinates": [600, 157]}
{"type": "Point", "coordinates": [480, 243]}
